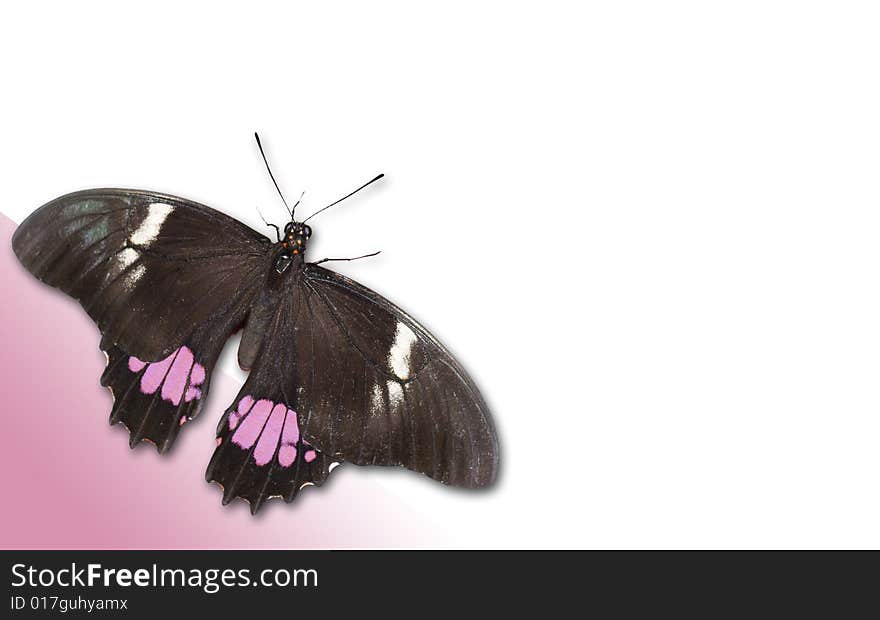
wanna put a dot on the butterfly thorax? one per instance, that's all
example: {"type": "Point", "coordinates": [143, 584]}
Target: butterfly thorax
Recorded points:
{"type": "Point", "coordinates": [296, 235]}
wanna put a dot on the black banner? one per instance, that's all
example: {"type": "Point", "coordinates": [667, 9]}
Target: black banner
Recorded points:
{"type": "Point", "coordinates": [415, 583]}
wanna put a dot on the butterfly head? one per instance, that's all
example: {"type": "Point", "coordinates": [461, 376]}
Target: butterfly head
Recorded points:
{"type": "Point", "coordinates": [296, 235]}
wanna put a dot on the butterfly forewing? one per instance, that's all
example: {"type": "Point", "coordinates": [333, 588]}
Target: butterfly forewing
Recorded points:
{"type": "Point", "coordinates": [148, 268]}
{"type": "Point", "coordinates": [378, 389]}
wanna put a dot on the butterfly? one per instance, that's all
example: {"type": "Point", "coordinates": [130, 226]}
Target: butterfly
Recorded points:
{"type": "Point", "coordinates": [337, 373]}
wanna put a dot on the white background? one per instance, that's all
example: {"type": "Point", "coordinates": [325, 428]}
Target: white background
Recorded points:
{"type": "Point", "coordinates": [648, 229]}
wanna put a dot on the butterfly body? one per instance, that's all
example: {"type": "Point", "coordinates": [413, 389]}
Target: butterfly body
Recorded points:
{"type": "Point", "coordinates": [337, 372]}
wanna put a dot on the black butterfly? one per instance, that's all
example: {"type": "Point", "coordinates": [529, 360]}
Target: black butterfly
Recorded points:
{"type": "Point", "coordinates": [338, 373]}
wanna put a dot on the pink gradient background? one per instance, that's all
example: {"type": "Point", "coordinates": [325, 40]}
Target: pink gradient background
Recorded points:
{"type": "Point", "coordinates": [71, 482]}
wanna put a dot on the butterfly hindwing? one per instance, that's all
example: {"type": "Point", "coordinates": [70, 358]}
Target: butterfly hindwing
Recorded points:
{"type": "Point", "coordinates": [154, 399]}
{"type": "Point", "coordinates": [261, 453]}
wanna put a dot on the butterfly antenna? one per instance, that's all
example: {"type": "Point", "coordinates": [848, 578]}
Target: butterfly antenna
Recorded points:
{"type": "Point", "coordinates": [292, 211]}
{"type": "Point", "coordinates": [343, 198]}
{"type": "Point", "coordinates": [272, 176]}
{"type": "Point", "coordinates": [325, 260]}
{"type": "Point", "coordinates": [277, 230]}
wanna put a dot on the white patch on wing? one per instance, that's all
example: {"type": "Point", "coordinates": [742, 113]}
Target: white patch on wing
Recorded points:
{"type": "Point", "coordinates": [134, 275]}
{"type": "Point", "coordinates": [149, 228]}
{"type": "Point", "coordinates": [395, 393]}
{"type": "Point", "coordinates": [125, 265]}
{"type": "Point", "coordinates": [399, 355]}
{"type": "Point", "coordinates": [126, 257]}
{"type": "Point", "coordinates": [376, 403]}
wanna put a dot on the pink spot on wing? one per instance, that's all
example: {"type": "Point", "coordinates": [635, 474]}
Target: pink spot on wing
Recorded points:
{"type": "Point", "coordinates": [268, 441]}
{"type": "Point", "coordinates": [176, 379]}
{"type": "Point", "coordinates": [291, 428]}
{"type": "Point", "coordinates": [286, 455]}
{"type": "Point", "coordinates": [179, 375]}
{"type": "Point", "coordinates": [155, 375]}
{"type": "Point", "coordinates": [197, 376]}
{"type": "Point", "coordinates": [267, 426]}
{"type": "Point", "coordinates": [252, 424]}
{"type": "Point", "coordinates": [289, 437]}
{"type": "Point", "coordinates": [244, 405]}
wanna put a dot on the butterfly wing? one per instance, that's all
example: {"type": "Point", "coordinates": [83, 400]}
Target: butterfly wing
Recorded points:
{"type": "Point", "coordinates": [165, 279]}
{"type": "Point", "coordinates": [261, 451]}
{"type": "Point", "coordinates": [342, 374]}
{"type": "Point", "coordinates": [135, 259]}
{"type": "Point", "coordinates": [153, 400]}
{"type": "Point", "coordinates": [379, 389]}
